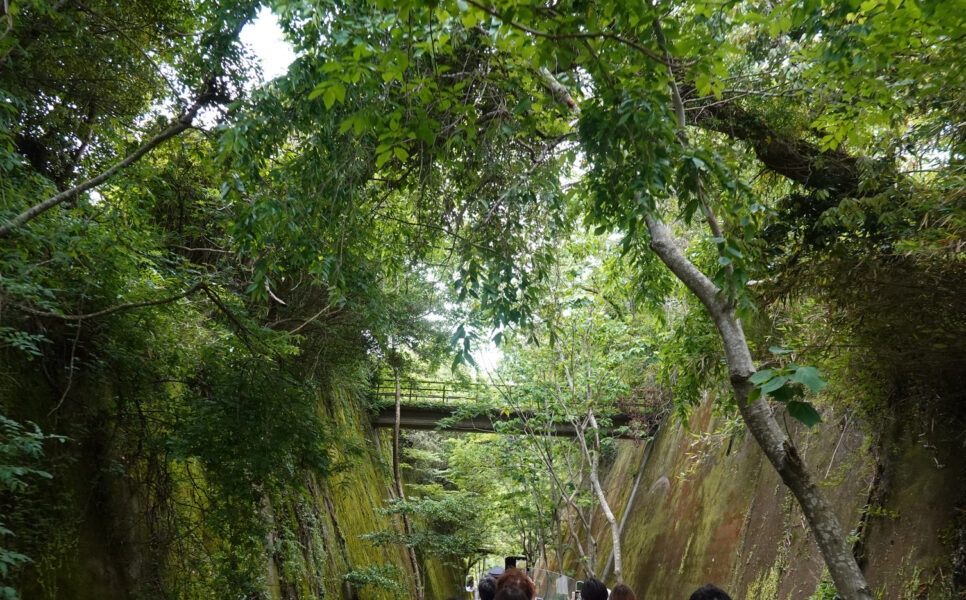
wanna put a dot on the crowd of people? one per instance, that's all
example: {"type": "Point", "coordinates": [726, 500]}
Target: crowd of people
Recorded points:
{"type": "Point", "coordinates": [515, 584]}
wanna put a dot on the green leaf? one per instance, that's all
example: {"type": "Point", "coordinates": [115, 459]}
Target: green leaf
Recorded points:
{"type": "Point", "coordinates": [703, 83]}
{"type": "Point", "coordinates": [317, 90]}
{"type": "Point", "coordinates": [761, 377]}
{"type": "Point", "coordinates": [774, 383]}
{"type": "Point", "coordinates": [339, 91]}
{"type": "Point", "coordinates": [786, 393]}
{"type": "Point", "coordinates": [810, 377]}
{"type": "Point", "coordinates": [328, 97]}
{"type": "Point", "coordinates": [804, 412]}
{"type": "Point", "coordinates": [779, 350]}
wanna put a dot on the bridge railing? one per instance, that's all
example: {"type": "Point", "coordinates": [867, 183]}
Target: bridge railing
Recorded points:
{"type": "Point", "coordinates": [432, 392]}
{"type": "Point", "coordinates": [452, 393]}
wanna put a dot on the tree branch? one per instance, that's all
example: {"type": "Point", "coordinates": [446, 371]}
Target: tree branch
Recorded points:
{"type": "Point", "coordinates": [559, 92]}
{"type": "Point", "coordinates": [582, 35]}
{"type": "Point", "coordinates": [801, 161]}
{"type": "Point", "coordinates": [179, 125]}
{"type": "Point", "coordinates": [106, 311]}
{"type": "Point", "coordinates": [760, 420]}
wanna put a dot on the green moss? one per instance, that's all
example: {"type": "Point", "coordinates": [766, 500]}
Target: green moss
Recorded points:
{"type": "Point", "coordinates": [766, 585]}
{"type": "Point", "coordinates": [684, 557]}
{"type": "Point", "coordinates": [304, 536]}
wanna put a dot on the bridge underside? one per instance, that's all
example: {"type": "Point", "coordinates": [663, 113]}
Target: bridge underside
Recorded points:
{"type": "Point", "coordinates": [426, 418]}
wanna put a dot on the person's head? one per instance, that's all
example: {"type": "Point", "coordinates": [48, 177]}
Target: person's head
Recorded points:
{"type": "Point", "coordinates": [710, 592]}
{"type": "Point", "coordinates": [622, 592]}
{"type": "Point", "coordinates": [593, 590]}
{"type": "Point", "coordinates": [515, 578]}
{"type": "Point", "coordinates": [512, 593]}
{"type": "Point", "coordinates": [487, 588]}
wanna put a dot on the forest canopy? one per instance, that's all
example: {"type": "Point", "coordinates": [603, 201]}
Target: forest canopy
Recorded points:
{"type": "Point", "coordinates": [741, 200]}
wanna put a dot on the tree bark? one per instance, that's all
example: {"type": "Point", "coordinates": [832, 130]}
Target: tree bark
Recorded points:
{"type": "Point", "coordinates": [797, 159]}
{"type": "Point", "coordinates": [593, 459]}
{"type": "Point", "coordinates": [761, 422]}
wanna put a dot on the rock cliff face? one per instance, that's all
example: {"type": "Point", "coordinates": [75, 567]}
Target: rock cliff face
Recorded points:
{"type": "Point", "coordinates": [118, 521]}
{"type": "Point", "coordinates": [711, 509]}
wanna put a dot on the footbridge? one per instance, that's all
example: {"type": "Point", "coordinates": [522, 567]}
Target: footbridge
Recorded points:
{"type": "Point", "coordinates": [427, 405]}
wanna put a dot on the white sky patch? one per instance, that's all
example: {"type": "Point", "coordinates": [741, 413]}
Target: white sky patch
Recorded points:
{"type": "Point", "coordinates": [264, 37]}
{"type": "Point", "coordinates": [487, 355]}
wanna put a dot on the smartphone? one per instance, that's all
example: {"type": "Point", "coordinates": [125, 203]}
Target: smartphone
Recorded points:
{"type": "Point", "coordinates": [510, 562]}
{"type": "Point", "coordinates": [580, 584]}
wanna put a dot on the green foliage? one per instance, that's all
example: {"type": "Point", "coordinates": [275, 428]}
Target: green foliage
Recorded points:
{"type": "Point", "coordinates": [385, 577]}
{"type": "Point", "coordinates": [450, 527]}
{"type": "Point", "coordinates": [21, 449]}
{"type": "Point", "coordinates": [20, 446]}
{"type": "Point", "coordinates": [825, 591]}
{"type": "Point", "coordinates": [788, 383]}
{"type": "Point", "coordinates": [416, 183]}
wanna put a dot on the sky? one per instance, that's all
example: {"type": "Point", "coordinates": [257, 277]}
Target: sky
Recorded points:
{"type": "Point", "coordinates": [264, 37]}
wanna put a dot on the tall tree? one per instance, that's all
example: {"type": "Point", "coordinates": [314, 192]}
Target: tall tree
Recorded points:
{"type": "Point", "coordinates": [657, 86]}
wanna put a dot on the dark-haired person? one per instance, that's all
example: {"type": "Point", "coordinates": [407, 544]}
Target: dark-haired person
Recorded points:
{"type": "Point", "coordinates": [487, 588]}
{"type": "Point", "coordinates": [710, 592]}
{"type": "Point", "coordinates": [622, 592]}
{"type": "Point", "coordinates": [515, 578]}
{"type": "Point", "coordinates": [512, 593]}
{"type": "Point", "coordinates": [593, 590]}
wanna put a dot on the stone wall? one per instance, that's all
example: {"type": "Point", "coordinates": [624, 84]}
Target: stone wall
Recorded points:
{"type": "Point", "coordinates": [711, 509]}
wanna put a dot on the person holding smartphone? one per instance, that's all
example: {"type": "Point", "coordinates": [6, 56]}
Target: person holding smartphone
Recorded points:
{"type": "Point", "coordinates": [593, 589]}
{"type": "Point", "coordinates": [576, 594]}
{"type": "Point", "coordinates": [516, 579]}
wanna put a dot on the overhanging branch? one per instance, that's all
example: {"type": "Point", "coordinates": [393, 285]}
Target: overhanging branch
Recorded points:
{"type": "Point", "coordinates": [176, 127]}
{"type": "Point", "coordinates": [101, 313]}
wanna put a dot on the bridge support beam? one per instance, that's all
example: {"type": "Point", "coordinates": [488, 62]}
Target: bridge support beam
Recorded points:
{"type": "Point", "coordinates": [426, 418]}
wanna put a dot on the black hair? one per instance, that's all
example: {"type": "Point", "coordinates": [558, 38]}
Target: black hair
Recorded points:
{"type": "Point", "coordinates": [710, 592]}
{"type": "Point", "coordinates": [593, 590]}
{"type": "Point", "coordinates": [487, 587]}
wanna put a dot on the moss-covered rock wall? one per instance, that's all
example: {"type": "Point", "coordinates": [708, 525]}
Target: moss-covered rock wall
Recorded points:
{"type": "Point", "coordinates": [121, 519]}
{"type": "Point", "coordinates": [710, 509]}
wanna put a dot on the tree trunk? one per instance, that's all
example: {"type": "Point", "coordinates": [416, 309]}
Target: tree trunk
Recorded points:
{"type": "Point", "coordinates": [591, 566]}
{"type": "Point", "coordinates": [627, 507]}
{"type": "Point", "coordinates": [593, 460]}
{"type": "Point", "coordinates": [407, 525]}
{"type": "Point", "coordinates": [761, 421]}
